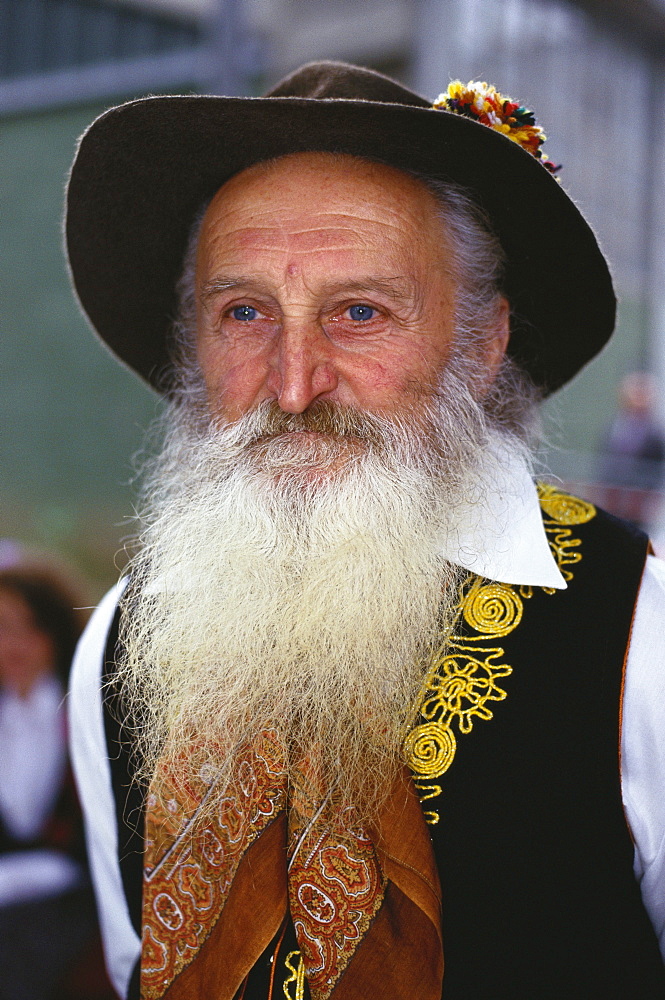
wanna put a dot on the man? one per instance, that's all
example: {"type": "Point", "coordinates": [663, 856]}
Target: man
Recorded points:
{"type": "Point", "coordinates": [361, 696]}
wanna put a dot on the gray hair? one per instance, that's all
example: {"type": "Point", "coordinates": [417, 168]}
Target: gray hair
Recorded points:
{"type": "Point", "coordinates": [477, 258]}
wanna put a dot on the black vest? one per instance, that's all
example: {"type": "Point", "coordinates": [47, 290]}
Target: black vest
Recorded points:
{"type": "Point", "coordinates": [533, 851]}
{"type": "Point", "coordinates": [534, 854]}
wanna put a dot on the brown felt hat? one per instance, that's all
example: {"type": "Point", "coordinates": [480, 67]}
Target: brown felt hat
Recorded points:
{"type": "Point", "coordinates": [144, 169]}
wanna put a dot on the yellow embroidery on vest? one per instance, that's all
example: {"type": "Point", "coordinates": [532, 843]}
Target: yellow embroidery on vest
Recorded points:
{"type": "Point", "coordinates": [461, 683]}
{"type": "Point", "coordinates": [560, 512]}
{"type": "Point", "coordinates": [297, 976]}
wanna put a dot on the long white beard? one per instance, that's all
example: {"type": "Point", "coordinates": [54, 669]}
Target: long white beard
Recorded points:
{"type": "Point", "coordinates": [295, 582]}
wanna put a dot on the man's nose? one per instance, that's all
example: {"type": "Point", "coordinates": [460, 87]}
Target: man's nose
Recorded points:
{"type": "Point", "coordinates": [304, 367]}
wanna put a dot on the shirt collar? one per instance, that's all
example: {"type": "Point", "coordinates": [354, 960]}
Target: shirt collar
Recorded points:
{"type": "Point", "coordinates": [499, 531]}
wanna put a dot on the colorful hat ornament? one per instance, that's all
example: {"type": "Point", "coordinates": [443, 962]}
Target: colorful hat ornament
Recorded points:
{"type": "Point", "coordinates": [482, 102]}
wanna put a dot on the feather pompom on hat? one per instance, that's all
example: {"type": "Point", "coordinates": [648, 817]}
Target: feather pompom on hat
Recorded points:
{"type": "Point", "coordinates": [483, 103]}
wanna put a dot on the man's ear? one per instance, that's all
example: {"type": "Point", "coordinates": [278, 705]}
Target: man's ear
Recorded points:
{"type": "Point", "coordinates": [497, 342]}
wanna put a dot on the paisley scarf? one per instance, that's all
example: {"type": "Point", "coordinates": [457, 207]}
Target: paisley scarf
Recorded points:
{"type": "Point", "coordinates": [365, 904]}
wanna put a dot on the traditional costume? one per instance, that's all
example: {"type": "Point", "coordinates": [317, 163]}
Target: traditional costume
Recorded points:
{"type": "Point", "coordinates": [502, 862]}
{"type": "Point", "coordinates": [517, 759]}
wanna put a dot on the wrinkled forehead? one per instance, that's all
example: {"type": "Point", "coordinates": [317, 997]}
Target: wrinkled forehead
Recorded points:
{"type": "Point", "coordinates": [307, 191]}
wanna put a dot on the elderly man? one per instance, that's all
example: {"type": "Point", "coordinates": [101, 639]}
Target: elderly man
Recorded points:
{"type": "Point", "coordinates": [372, 715]}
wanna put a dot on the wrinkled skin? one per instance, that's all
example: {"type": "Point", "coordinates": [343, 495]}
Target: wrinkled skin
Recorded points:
{"type": "Point", "coordinates": [325, 278]}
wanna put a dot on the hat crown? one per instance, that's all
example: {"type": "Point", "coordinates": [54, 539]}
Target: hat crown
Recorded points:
{"type": "Point", "coordinates": [340, 81]}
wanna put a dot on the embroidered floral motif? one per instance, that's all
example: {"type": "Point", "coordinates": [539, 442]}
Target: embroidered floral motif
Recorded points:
{"type": "Point", "coordinates": [336, 886]}
{"type": "Point", "coordinates": [461, 684]}
{"type": "Point", "coordinates": [187, 879]}
{"type": "Point", "coordinates": [561, 512]}
{"type": "Point", "coordinates": [335, 881]}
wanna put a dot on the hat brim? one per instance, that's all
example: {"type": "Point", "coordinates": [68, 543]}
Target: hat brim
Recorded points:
{"type": "Point", "coordinates": [144, 169]}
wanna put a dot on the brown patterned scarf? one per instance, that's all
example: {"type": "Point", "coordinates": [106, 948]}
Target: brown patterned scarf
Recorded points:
{"type": "Point", "coordinates": [366, 907]}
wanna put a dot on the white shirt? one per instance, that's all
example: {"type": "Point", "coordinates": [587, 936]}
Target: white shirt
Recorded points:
{"type": "Point", "coordinates": [501, 538]}
{"type": "Point", "coordinates": [34, 755]}
{"type": "Point", "coordinates": [32, 768]}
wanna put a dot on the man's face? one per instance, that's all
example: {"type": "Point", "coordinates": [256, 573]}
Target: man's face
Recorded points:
{"type": "Point", "coordinates": [322, 278]}
{"type": "Point", "coordinates": [26, 652]}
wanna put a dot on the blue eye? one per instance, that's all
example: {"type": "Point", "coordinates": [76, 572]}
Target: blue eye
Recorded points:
{"type": "Point", "coordinates": [244, 312]}
{"type": "Point", "coordinates": [360, 313]}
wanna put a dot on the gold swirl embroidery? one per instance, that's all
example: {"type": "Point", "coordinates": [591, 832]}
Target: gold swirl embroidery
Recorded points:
{"type": "Point", "coordinates": [561, 511]}
{"type": "Point", "coordinates": [461, 682]}
{"type": "Point", "coordinates": [492, 608]}
{"type": "Point", "coordinates": [430, 749]}
{"type": "Point", "coordinates": [297, 976]}
{"type": "Point", "coordinates": [562, 508]}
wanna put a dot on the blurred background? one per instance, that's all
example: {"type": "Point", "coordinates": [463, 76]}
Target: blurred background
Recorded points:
{"type": "Point", "coordinates": [592, 69]}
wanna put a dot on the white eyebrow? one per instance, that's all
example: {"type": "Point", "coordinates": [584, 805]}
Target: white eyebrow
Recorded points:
{"type": "Point", "coordinates": [222, 284]}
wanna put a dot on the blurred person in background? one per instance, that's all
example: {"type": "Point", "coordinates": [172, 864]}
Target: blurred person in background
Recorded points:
{"type": "Point", "coordinates": [633, 452]}
{"type": "Point", "coordinates": [47, 918]}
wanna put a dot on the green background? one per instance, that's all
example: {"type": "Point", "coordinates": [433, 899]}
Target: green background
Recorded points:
{"type": "Point", "coordinates": [71, 417]}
